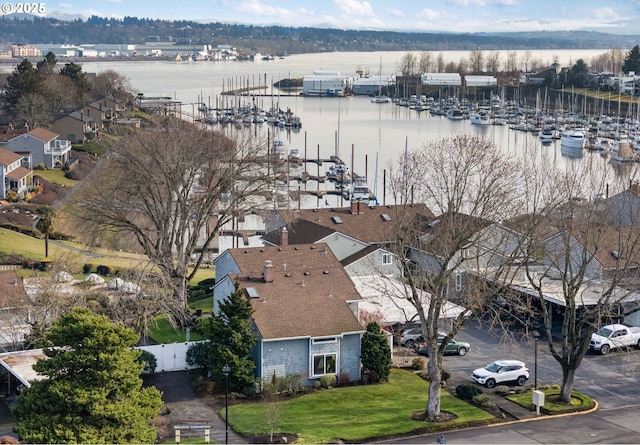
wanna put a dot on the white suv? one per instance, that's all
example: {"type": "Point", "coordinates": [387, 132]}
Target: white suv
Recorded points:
{"type": "Point", "coordinates": [502, 371]}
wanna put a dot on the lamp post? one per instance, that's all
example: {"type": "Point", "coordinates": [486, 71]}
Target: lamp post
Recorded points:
{"type": "Point", "coordinates": [225, 371]}
{"type": "Point", "coordinates": [535, 334]}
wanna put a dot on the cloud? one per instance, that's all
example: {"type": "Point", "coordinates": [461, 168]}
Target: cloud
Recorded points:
{"type": "Point", "coordinates": [354, 7]}
{"type": "Point", "coordinates": [396, 13]}
{"type": "Point", "coordinates": [468, 3]}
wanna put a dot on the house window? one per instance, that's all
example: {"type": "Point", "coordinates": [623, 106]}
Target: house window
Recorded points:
{"type": "Point", "coordinates": [387, 259]}
{"type": "Point", "coordinates": [324, 364]}
{"type": "Point", "coordinates": [316, 341]}
{"type": "Point", "coordinates": [458, 281]}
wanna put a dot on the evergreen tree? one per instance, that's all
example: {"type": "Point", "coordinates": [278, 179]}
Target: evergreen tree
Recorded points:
{"type": "Point", "coordinates": [92, 391]}
{"type": "Point", "coordinates": [632, 61]}
{"type": "Point", "coordinates": [375, 353]}
{"type": "Point", "coordinates": [24, 80]}
{"type": "Point", "coordinates": [48, 64]}
{"type": "Point", "coordinates": [230, 341]}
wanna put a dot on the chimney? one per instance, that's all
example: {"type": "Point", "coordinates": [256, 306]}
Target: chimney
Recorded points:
{"type": "Point", "coordinates": [284, 237]}
{"type": "Point", "coordinates": [354, 207]}
{"type": "Point", "coordinates": [267, 272]}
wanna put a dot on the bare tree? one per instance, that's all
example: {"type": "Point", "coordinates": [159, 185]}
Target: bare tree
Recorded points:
{"type": "Point", "coordinates": [585, 265]}
{"type": "Point", "coordinates": [470, 184]}
{"type": "Point", "coordinates": [172, 187]}
{"type": "Point", "coordinates": [426, 62]}
{"type": "Point", "coordinates": [32, 109]}
{"type": "Point", "coordinates": [407, 64]}
{"type": "Point", "coordinates": [493, 62]}
{"type": "Point", "coordinates": [511, 64]}
{"type": "Point", "coordinates": [525, 60]}
{"type": "Point", "coordinates": [110, 82]}
{"type": "Point", "coordinates": [476, 60]}
{"type": "Point", "coordinates": [440, 63]}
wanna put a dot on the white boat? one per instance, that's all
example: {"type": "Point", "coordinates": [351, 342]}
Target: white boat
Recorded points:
{"type": "Point", "coordinates": [572, 140]}
{"type": "Point", "coordinates": [455, 114]}
{"type": "Point", "coordinates": [360, 191]}
{"type": "Point", "coordinates": [480, 118]}
{"type": "Point", "coordinates": [546, 135]}
{"type": "Point", "coordinates": [380, 99]}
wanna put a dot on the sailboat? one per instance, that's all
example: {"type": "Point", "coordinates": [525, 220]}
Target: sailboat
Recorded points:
{"type": "Point", "coordinates": [380, 98]}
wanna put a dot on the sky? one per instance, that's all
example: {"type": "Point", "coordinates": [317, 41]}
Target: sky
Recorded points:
{"type": "Point", "coordinates": [613, 16]}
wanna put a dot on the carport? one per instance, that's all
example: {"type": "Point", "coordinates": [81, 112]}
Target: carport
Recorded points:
{"type": "Point", "coordinates": [20, 365]}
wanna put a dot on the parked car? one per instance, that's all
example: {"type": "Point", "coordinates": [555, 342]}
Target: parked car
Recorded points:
{"type": "Point", "coordinates": [615, 336]}
{"type": "Point", "coordinates": [453, 347]}
{"type": "Point", "coordinates": [410, 337]}
{"type": "Point", "coordinates": [502, 371]}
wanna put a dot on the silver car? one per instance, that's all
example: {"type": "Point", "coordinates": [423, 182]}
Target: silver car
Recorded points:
{"type": "Point", "coordinates": [411, 337]}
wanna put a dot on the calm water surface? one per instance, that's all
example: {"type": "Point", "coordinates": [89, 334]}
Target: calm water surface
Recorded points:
{"type": "Point", "coordinates": [366, 136]}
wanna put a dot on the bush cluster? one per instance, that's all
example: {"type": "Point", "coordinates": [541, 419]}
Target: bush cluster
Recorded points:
{"type": "Point", "coordinates": [200, 291]}
{"type": "Point", "coordinates": [22, 229]}
{"type": "Point", "coordinates": [467, 391]}
{"type": "Point", "coordinates": [328, 381]}
{"type": "Point", "coordinates": [417, 363]}
{"type": "Point", "coordinates": [104, 270]}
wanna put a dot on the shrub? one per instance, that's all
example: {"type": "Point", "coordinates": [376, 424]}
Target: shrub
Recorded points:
{"type": "Point", "coordinates": [328, 381]}
{"type": "Point", "coordinates": [446, 375]}
{"type": "Point", "coordinates": [60, 236]}
{"type": "Point", "coordinates": [502, 390]}
{"type": "Point", "coordinates": [150, 362]}
{"type": "Point", "coordinates": [483, 401]}
{"type": "Point", "coordinates": [317, 384]}
{"type": "Point", "coordinates": [104, 270]}
{"type": "Point", "coordinates": [87, 268]}
{"type": "Point", "coordinates": [417, 363]}
{"type": "Point", "coordinates": [12, 196]}
{"type": "Point", "coordinates": [40, 166]}
{"type": "Point", "coordinates": [198, 355]}
{"type": "Point", "coordinates": [344, 379]}
{"type": "Point", "coordinates": [467, 391]}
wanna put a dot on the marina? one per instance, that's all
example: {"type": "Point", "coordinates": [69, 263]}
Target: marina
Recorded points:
{"type": "Point", "coordinates": [358, 131]}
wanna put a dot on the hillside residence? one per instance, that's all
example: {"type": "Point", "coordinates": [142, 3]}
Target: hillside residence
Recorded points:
{"type": "Point", "coordinates": [44, 146]}
{"type": "Point", "coordinates": [76, 127]}
{"type": "Point", "coordinates": [372, 259]}
{"type": "Point", "coordinates": [14, 176]}
{"type": "Point", "coordinates": [305, 308]}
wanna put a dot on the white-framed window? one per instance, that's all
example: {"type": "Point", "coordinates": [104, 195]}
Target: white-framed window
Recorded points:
{"type": "Point", "coordinates": [458, 281]}
{"type": "Point", "coordinates": [387, 259]}
{"type": "Point", "coordinates": [324, 364]}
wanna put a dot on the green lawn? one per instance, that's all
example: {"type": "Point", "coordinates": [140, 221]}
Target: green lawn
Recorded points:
{"type": "Point", "coordinates": [55, 176]}
{"type": "Point", "coordinates": [164, 333]}
{"type": "Point", "coordinates": [356, 413]}
{"type": "Point", "coordinates": [579, 401]}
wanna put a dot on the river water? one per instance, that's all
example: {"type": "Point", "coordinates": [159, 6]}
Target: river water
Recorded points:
{"type": "Point", "coordinates": [366, 136]}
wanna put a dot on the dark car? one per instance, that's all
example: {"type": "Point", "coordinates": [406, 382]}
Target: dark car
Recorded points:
{"type": "Point", "coordinates": [453, 347]}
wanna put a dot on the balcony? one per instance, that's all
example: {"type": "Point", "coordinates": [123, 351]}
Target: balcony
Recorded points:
{"type": "Point", "coordinates": [58, 146]}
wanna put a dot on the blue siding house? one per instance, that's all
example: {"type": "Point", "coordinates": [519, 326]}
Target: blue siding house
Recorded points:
{"type": "Point", "coordinates": [301, 297]}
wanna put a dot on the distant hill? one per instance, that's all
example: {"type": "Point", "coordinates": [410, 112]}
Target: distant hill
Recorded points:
{"type": "Point", "coordinates": [286, 40]}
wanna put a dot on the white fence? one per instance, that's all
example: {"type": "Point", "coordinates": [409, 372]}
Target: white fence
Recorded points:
{"type": "Point", "coordinates": [170, 357]}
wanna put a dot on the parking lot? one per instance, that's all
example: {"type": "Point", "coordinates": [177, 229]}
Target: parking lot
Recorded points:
{"type": "Point", "coordinates": [611, 379]}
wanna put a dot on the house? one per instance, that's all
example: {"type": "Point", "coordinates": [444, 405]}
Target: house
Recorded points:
{"type": "Point", "coordinates": [76, 127]}
{"type": "Point", "coordinates": [372, 259]}
{"type": "Point", "coordinates": [14, 176]}
{"type": "Point", "coordinates": [118, 107]}
{"type": "Point", "coordinates": [302, 301]}
{"type": "Point", "coordinates": [624, 207]}
{"type": "Point", "coordinates": [101, 114]}
{"type": "Point", "coordinates": [346, 230]}
{"type": "Point", "coordinates": [442, 244]}
{"type": "Point", "coordinates": [44, 146]}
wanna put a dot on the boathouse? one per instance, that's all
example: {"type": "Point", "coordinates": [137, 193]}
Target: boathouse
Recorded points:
{"type": "Point", "coordinates": [326, 83]}
{"type": "Point", "coordinates": [441, 79]}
